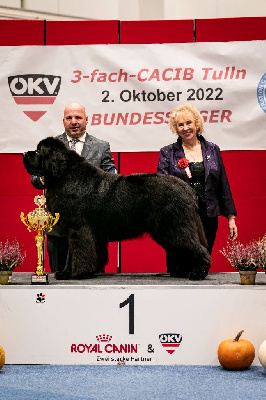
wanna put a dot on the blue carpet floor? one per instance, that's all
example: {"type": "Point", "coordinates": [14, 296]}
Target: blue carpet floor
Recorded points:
{"type": "Point", "coordinates": [71, 382]}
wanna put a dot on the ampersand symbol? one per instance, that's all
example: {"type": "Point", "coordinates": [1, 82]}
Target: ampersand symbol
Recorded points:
{"type": "Point", "coordinates": [150, 348]}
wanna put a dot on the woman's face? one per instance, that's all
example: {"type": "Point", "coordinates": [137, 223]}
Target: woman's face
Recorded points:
{"type": "Point", "coordinates": [186, 127]}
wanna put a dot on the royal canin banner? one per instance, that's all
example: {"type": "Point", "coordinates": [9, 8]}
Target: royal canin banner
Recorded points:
{"type": "Point", "coordinates": [129, 90]}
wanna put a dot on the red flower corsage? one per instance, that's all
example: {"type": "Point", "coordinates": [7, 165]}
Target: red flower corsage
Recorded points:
{"type": "Point", "coordinates": [184, 164]}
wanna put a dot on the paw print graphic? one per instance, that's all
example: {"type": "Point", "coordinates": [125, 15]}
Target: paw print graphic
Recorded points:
{"type": "Point", "coordinates": [40, 298]}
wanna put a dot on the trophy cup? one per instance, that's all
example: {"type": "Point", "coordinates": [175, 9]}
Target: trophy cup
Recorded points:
{"type": "Point", "coordinates": [39, 220]}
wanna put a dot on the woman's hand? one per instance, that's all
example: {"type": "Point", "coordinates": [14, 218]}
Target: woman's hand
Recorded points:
{"type": "Point", "coordinates": [232, 227]}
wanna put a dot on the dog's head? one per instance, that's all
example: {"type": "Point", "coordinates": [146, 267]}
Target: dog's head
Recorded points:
{"type": "Point", "coordinates": [52, 158]}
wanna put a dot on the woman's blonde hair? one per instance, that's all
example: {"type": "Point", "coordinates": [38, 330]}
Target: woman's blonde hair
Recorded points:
{"type": "Point", "coordinates": [186, 110]}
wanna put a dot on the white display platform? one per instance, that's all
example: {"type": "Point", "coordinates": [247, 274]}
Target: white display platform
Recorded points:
{"type": "Point", "coordinates": [139, 324]}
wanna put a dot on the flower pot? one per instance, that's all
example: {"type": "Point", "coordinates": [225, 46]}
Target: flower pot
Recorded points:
{"type": "Point", "coordinates": [5, 277]}
{"type": "Point", "coordinates": [247, 277]}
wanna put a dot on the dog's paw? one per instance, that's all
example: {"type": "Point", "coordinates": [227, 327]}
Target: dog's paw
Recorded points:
{"type": "Point", "coordinates": [83, 275]}
{"type": "Point", "coordinates": [178, 272]}
{"type": "Point", "coordinates": [198, 274]}
{"type": "Point", "coordinates": [62, 275]}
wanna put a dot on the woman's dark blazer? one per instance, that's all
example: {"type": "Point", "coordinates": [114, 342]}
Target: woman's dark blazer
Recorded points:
{"type": "Point", "coordinates": [218, 196]}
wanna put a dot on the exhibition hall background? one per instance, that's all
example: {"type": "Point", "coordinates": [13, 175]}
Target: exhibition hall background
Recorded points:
{"type": "Point", "coordinates": [245, 169]}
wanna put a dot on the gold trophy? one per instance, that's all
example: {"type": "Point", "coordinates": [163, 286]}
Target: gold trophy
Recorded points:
{"type": "Point", "coordinates": [39, 220]}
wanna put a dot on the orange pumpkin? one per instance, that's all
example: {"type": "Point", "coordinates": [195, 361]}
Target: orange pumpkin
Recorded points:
{"type": "Point", "coordinates": [236, 354]}
{"type": "Point", "coordinates": [2, 357]}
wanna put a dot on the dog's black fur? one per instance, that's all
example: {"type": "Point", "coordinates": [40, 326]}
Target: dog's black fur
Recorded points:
{"type": "Point", "coordinates": [97, 207]}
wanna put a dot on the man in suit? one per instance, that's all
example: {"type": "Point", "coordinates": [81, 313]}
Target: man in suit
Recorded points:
{"type": "Point", "coordinates": [95, 151]}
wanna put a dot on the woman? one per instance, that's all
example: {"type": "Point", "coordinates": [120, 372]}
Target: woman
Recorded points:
{"type": "Point", "coordinates": [200, 164]}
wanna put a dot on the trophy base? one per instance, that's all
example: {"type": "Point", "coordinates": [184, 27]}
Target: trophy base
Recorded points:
{"type": "Point", "coordinates": [39, 279]}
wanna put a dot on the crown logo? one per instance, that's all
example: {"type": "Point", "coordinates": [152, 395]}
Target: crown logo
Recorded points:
{"type": "Point", "coordinates": [104, 338]}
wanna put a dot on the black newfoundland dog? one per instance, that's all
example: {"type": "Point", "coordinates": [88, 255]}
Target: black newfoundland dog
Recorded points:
{"type": "Point", "coordinates": [97, 207]}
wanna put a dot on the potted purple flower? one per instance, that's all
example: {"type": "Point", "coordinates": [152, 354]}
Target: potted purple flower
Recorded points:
{"type": "Point", "coordinates": [246, 258]}
{"type": "Point", "coordinates": [11, 256]}
{"type": "Point", "coordinates": [262, 247]}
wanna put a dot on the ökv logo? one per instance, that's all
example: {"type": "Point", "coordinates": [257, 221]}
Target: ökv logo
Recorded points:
{"type": "Point", "coordinates": [34, 93]}
{"type": "Point", "coordinates": [170, 341]}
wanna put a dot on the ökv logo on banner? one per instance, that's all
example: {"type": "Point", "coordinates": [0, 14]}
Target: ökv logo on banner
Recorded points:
{"type": "Point", "coordinates": [170, 341]}
{"type": "Point", "coordinates": [34, 93]}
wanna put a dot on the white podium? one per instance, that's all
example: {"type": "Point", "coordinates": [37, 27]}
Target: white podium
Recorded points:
{"type": "Point", "coordinates": [137, 324]}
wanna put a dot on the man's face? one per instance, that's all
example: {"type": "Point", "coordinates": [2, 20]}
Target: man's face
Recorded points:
{"type": "Point", "coordinates": [75, 121]}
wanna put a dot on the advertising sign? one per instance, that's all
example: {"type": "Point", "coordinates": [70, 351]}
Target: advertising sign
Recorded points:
{"type": "Point", "coordinates": [135, 325]}
{"type": "Point", "coordinates": [129, 90]}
